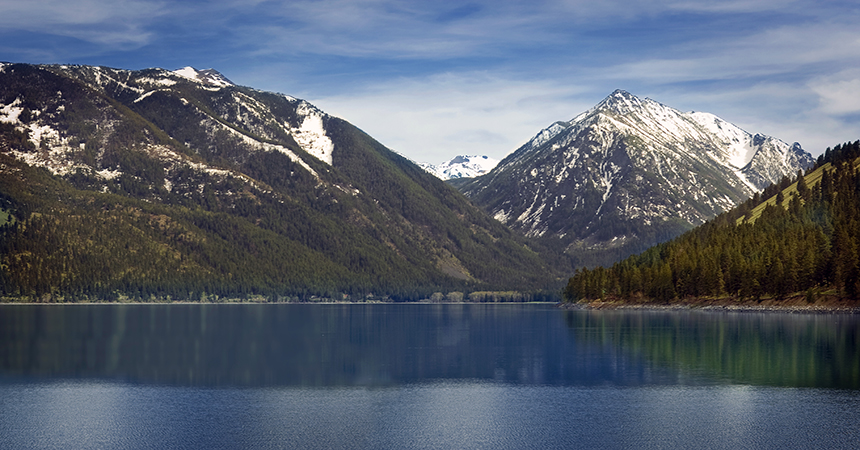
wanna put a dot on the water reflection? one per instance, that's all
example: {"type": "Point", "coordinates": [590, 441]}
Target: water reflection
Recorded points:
{"type": "Point", "coordinates": [304, 345]}
{"type": "Point", "coordinates": [798, 350]}
{"type": "Point", "coordinates": [385, 345]}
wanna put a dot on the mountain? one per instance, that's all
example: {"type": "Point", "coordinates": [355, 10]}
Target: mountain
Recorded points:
{"type": "Point", "coordinates": [629, 173]}
{"type": "Point", "coordinates": [797, 244]}
{"type": "Point", "coordinates": [461, 167]}
{"type": "Point", "coordinates": [180, 184]}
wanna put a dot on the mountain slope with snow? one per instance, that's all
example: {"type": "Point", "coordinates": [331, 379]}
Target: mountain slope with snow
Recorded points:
{"type": "Point", "coordinates": [629, 173]}
{"type": "Point", "coordinates": [170, 182]}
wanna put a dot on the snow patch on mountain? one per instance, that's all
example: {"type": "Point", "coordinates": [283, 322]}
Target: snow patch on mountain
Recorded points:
{"type": "Point", "coordinates": [210, 77]}
{"type": "Point", "coordinates": [738, 145]}
{"type": "Point", "coordinates": [147, 94]}
{"type": "Point", "coordinates": [265, 146]}
{"type": "Point", "coordinates": [52, 150]}
{"type": "Point", "coordinates": [9, 113]}
{"type": "Point", "coordinates": [545, 135]}
{"type": "Point", "coordinates": [166, 82]}
{"type": "Point", "coordinates": [104, 77]}
{"type": "Point", "coordinates": [311, 135]}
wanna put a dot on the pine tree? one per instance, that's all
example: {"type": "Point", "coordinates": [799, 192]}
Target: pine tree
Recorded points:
{"type": "Point", "coordinates": [802, 188]}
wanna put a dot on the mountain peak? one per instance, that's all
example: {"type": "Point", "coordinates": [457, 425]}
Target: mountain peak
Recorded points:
{"type": "Point", "coordinates": [209, 77]}
{"type": "Point", "coordinates": [623, 102]}
{"type": "Point", "coordinates": [619, 96]}
{"type": "Point", "coordinates": [621, 93]}
{"type": "Point", "coordinates": [618, 102]}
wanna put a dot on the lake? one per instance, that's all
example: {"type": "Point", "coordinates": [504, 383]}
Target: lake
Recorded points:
{"type": "Point", "coordinates": [404, 376]}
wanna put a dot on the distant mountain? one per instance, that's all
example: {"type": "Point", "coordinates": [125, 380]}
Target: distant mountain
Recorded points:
{"type": "Point", "coordinates": [159, 183]}
{"type": "Point", "coordinates": [629, 173]}
{"type": "Point", "coordinates": [461, 167]}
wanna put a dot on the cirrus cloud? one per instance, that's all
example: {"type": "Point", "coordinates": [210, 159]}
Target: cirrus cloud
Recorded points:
{"type": "Point", "coordinates": [111, 23]}
{"type": "Point", "coordinates": [446, 77]}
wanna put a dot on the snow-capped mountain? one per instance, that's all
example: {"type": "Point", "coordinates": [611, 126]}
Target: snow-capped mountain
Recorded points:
{"type": "Point", "coordinates": [224, 182]}
{"type": "Point", "coordinates": [629, 173]}
{"type": "Point", "coordinates": [159, 88]}
{"type": "Point", "coordinates": [461, 166]}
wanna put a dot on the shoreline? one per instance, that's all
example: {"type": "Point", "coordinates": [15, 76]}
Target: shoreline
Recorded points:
{"type": "Point", "coordinates": [829, 308]}
{"type": "Point", "coordinates": [251, 302]}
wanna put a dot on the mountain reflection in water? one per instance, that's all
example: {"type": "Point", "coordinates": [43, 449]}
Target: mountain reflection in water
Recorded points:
{"type": "Point", "coordinates": [383, 345]}
{"type": "Point", "coordinates": [774, 349]}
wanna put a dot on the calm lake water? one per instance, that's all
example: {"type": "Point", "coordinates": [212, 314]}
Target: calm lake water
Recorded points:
{"type": "Point", "coordinates": [424, 376]}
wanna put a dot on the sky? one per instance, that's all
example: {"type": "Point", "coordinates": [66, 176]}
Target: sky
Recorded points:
{"type": "Point", "coordinates": [436, 79]}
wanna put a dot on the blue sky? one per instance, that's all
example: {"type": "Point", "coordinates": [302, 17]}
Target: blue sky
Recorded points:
{"type": "Point", "coordinates": [436, 79]}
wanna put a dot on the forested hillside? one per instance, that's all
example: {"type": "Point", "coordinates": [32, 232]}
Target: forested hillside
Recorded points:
{"type": "Point", "coordinates": [798, 238]}
{"type": "Point", "coordinates": [155, 184]}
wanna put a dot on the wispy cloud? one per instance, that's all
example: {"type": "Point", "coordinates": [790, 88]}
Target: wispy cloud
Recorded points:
{"type": "Point", "coordinates": [379, 28]}
{"type": "Point", "coordinates": [445, 29]}
{"type": "Point", "coordinates": [112, 23]}
{"type": "Point", "coordinates": [839, 94]}
{"type": "Point", "coordinates": [445, 77]}
{"type": "Point", "coordinates": [444, 115]}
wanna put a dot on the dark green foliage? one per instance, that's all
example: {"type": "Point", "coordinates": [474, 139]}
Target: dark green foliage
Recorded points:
{"type": "Point", "coordinates": [809, 244]}
{"type": "Point", "coordinates": [843, 152]}
{"type": "Point", "coordinates": [11, 138]}
{"type": "Point", "coordinates": [212, 196]}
